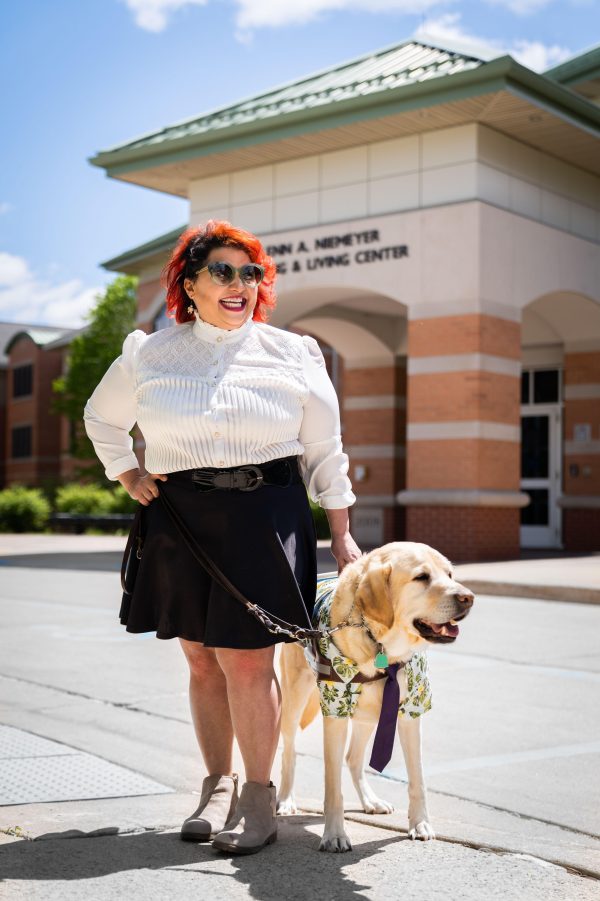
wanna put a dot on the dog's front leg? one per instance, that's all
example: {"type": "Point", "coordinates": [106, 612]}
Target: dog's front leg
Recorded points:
{"type": "Point", "coordinates": [335, 732]}
{"type": "Point", "coordinates": [409, 731]}
{"type": "Point", "coordinates": [361, 733]}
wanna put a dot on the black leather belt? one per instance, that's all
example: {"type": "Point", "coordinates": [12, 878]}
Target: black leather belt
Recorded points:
{"type": "Point", "coordinates": [283, 472]}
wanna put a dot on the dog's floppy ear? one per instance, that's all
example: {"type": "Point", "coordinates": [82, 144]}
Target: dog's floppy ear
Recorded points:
{"type": "Point", "coordinates": [373, 594]}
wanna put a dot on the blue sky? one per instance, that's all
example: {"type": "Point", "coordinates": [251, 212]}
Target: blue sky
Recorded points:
{"type": "Point", "coordinates": [83, 76]}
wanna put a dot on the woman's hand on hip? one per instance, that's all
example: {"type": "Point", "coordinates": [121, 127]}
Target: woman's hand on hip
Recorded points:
{"type": "Point", "coordinates": [143, 488]}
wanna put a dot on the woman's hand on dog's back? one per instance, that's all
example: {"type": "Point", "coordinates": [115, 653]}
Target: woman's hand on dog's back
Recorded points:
{"type": "Point", "coordinates": [343, 546]}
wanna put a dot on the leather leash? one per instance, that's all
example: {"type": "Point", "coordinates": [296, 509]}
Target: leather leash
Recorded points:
{"type": "Point", "coordinates": [308, 636]}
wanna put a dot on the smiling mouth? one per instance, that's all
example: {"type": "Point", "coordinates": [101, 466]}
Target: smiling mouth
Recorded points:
{"type": "Point", "coordinates": [438, 633]}
{"type": "Point", "coordinates": [234, 306]}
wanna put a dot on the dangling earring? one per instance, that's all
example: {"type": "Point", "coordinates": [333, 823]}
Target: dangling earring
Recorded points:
{"type": "Point", "coordinates": [191, 308]}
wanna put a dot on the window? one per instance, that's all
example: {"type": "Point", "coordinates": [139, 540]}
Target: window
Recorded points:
{"type": "Point", "coordinates": [537, 512]}
{"type": "Point", "coordinates": [21, 441]}
{"type": "Point", "coordinates": [541, 386]}
{"type": "Point", "coordinates": [23, 380]}
{"type": "Point", "coordinates": [545, 386]}
{"type": "Point", "coordinates": [535, 447]}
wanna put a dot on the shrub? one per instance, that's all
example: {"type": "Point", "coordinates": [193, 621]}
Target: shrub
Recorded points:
{"type": "Point", "coordinates": [84, 499]}
{"type": "Point", "coordinates": [320, 520]}
{"type": "Point", "coordinates": [121, 502]}
{"type": "Point", "coordinates": [23, 509]}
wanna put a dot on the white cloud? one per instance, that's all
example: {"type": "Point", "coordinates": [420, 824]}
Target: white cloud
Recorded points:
{"type": "Point", "coordinates": [25, 297]}
{"type": "Point", "coordinates": [154, 15]}
{"type": "Point", "coordinates": [275, 13]}
{"type": "Point", "coordinates": [522, 7]}
{"type": "Point", "coordinates": [5, 207]}
{"type": "Point", "coordinates": [12, 270]}
{"type": "Point", "coordinates": [447, 30]}
{"type": "Point", "coordinates": [538, 56]}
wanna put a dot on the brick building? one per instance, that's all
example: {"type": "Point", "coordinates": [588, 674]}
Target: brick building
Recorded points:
{"type": "Point", "coordinates": [34, 442]}
{"type": "Point", "coordinates": [435, 218]}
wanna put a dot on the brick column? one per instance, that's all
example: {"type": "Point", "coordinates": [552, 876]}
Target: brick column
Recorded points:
{"type": "Point", "coordinates": [463, 436]}
{"type": "Point", "coordinates": [374, 427]}
{"type": "Point", "coordinates": [581, 479]}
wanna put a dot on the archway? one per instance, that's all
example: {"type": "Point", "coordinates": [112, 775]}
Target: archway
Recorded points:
{"type": "Point", "coordinates": [560, 421]}
{"type": "Point", "coordinates": [367, 333]}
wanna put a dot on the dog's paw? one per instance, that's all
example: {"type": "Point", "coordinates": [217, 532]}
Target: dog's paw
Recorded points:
{"type": "Point", "coordinates": [286, 807]}
{"type": "Point", "coordinates": [373, 804]}
{"type": "Point", "coordinates": [421, 831]}
{"type": "Point", "coordinates": [336, 843]}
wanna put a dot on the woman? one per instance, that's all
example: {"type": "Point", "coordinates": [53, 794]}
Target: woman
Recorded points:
{"type": "Point", "coordinates": [223, 392]}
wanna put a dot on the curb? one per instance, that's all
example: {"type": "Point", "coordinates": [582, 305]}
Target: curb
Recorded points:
{"type": "Point", "coordinates": [566, 593]}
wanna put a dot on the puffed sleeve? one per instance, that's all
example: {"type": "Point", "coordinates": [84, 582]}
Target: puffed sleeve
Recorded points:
{"type": "Point", "coordinates": [110, 413]}
{"type": "Point", "coordinates": [324, 465]}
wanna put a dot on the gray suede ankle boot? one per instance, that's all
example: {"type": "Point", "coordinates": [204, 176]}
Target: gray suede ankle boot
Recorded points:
{"type": "Point", "coordinates": [253, 824]}
{"type": "Point", "coordinates": [217, 805]}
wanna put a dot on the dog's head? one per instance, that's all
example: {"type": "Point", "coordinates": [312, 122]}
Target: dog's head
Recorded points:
{"type": "Point", "coordinates": [408, 596]}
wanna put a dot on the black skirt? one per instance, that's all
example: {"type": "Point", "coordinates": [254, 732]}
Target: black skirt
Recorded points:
{"type": "Point", "coordinates": [264, 541]}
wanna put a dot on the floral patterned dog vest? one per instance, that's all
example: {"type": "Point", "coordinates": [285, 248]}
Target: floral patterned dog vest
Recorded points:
{"type": "Point", "coordinates": [340, 698]}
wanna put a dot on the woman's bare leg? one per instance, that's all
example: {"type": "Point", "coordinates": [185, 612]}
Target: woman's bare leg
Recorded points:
{"type": "Point", "coordinates": [255, 707]}
{"type": "Point", "coordinates": [209, 706]}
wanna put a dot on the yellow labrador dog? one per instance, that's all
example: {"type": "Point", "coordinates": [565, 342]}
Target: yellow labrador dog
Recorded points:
{"type": "Point", "coordinates": [403, 597]}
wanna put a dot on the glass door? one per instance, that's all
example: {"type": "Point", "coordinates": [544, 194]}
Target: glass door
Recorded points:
{"type": "Point", "coordinates": [541, 459]}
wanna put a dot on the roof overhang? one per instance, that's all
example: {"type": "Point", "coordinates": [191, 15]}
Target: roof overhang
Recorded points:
{"type": "Point", "coordinates": [581, 74]}
{"type": "Point", "coordinates": [138, 258]}
{"type": "Point", "coordinates": [582, 67]}
{"type": "Point", "coordinates": [48, 338]}
{"type": "Point", "coordinates": [500, 94]}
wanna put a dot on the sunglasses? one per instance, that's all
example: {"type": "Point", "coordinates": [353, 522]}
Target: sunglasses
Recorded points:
{"type": "Point", "coordinates": [221, 273]}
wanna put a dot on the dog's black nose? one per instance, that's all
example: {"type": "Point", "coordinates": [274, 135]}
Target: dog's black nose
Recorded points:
{"type": "Point", "coordinates": [465, 598]}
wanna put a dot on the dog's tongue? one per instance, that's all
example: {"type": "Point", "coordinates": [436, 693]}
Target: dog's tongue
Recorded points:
{"type": "Point", "coordinates": [444, 629]}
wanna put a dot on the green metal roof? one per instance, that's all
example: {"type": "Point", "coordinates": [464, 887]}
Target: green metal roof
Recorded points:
{"type": "Point", "coordinates": [404, 64]}
{"type": "Point", "coordinates": [398, 79]}
{"type": "Point", "coordinates": [157, 246]}
{"type": "Point", "coordinates": [39, 334]}
{"type": "Point", "coordinates": [582, 67]}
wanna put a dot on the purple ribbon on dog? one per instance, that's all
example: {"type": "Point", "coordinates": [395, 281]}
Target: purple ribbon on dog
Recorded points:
{"type": "Point", "coordinates": [386, 727]}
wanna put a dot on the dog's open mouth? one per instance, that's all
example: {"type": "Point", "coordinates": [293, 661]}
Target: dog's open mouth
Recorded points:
{"type": "Point", "coordinates": [438, 632]}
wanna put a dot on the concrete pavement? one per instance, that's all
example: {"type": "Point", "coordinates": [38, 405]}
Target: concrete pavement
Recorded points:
{"type": "Point", "coordinates": [101, 717]}
{"type": "Point", "coordinates": [563, 577]}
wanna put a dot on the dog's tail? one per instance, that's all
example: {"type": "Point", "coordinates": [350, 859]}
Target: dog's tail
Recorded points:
{"type": "Point", "coordinates": [311, 709]}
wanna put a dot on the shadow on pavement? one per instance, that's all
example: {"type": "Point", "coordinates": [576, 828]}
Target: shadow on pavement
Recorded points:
{"type": "Point", "coordinates": [103, 561]}
{"type": "Point", "coordinates": [290, 868]}
{"type": "Point", "coordinates": [110, 561]}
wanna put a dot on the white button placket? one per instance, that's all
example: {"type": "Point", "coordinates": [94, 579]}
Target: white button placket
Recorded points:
{"type": "Point", "coordinates": [217, 435]}
{"type": "Point", "coordinates": [219, 351]}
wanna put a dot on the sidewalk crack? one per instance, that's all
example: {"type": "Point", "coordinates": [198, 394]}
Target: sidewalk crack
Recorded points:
{"type": "Point", "coordinates": [126, 705]}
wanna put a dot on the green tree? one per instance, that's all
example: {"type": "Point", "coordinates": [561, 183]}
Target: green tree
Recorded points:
{"type": "Point", "coordinates": [90, 354]}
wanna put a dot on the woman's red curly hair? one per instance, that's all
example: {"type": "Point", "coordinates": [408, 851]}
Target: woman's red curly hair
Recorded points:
{"type": "Point", "coordinates": [190, 254]}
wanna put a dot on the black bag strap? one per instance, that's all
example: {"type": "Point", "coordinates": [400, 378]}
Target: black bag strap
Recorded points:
{"type": "Point", "coordinates": [135, 536]}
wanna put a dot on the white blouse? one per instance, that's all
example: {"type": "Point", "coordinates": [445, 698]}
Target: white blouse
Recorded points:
{"type": "Point", "coordinates": [206, 396]}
